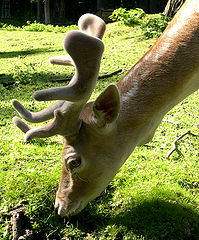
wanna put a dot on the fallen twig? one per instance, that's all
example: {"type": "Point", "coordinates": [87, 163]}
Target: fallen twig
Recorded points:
{"type": "Point", "coordinates": [168, 121]}
{"type": "Point", "coordinates": [60, 80]}
{"type": "Point", "coordinates": [110, 74]}
{"type": "Point", "coordinates": [190, 113]}
{"type": "Point", "coordinates": [175, 148]}
{"type": "Point", "coordinates": [100, 77]}
{"type": "Point", "coordinates": [148, 146]}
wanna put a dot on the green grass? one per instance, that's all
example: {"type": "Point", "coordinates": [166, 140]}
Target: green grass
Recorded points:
{"type": "Point", "coordinates": [152, 197]}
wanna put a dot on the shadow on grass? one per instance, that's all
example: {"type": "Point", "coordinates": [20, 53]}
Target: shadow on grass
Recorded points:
{"type": "Point", "coordinates": [155, 219]}
{"type": "Point", "coordinates": [160, 220]}
{"type": "Point", "coordinates": [151, 220]}
{"type": "Point", "coordinates": [26, 83]}
{"type": "Point", "coordinates": [27, 52]}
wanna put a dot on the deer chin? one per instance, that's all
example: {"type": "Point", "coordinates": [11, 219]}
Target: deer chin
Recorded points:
{"type": "Point", "coordinates": [68, 210]}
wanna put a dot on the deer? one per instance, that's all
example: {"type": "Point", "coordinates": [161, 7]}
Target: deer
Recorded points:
{"type": "Point", "coordinates": [99, 136]}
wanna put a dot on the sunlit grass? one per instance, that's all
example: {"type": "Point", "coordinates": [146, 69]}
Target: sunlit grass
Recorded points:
{"type": "Point", "coordinates": [152, 197]}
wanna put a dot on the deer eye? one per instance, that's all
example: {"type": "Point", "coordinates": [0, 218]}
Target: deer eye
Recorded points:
{"type": "Point", "coordinates": [74, 163]}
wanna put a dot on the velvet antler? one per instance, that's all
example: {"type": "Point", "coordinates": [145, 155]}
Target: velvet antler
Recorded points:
{"type": "Point", "coordinates": [85, 51]}
{"type": "Point", "coordinates": [88, 23]}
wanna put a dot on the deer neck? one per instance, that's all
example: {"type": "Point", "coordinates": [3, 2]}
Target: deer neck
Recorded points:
{"type": "Point", "coordinates": [165, 75]}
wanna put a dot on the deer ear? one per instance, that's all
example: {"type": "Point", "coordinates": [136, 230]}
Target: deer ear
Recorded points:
{"type": "Point", "coordinates": [106, 107]}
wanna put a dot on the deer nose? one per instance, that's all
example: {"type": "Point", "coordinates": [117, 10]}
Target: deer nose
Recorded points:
{"type": "Point", "coordinates": [60, 209]}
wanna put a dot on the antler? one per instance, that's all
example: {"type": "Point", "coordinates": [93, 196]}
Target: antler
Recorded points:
{"type": "Point", "coordinates": [85, 51]}
{"type": "Point", "coordinates": [88, 23]}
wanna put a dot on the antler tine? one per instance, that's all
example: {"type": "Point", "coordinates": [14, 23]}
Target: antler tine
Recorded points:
{"type": "Point", "coordinates": [36, 117]}
{"type": "Point", "coordinates": [21, 125]}
{"type": "Point", "coordinates": [66, 122]}
{"type": "Point", "coordinates": [89, 24]}
{"type": "Point", "coordinates": [86, 52]}
{"type": "Point", "coordinates": [62, 60]}
{"type": "Point", "coordinates": [92, 25]}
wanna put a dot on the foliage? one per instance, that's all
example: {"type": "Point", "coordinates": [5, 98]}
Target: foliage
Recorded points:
{"type": "Point", "coordinates": [155, 26]}
{"type": "Point", "coordinates": [9, 27]}
{"type": "Point", "coordinates": [152, 25]}
{"type": "Point", "coordinates": [129, 17]}
{"type": "Point", "coordinates": [151, 198]}
{"type": "Point", "coordinates": [38, 27]}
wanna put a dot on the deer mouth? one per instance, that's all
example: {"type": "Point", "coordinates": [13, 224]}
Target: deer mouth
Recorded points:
{"type": "Point", "coordinates": [71, 210]}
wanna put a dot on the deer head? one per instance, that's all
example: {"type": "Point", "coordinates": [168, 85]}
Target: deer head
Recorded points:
{"type": "Point", "coordinates": [74, 119]}
{"type": "Point", "coordinates": [99, 136]}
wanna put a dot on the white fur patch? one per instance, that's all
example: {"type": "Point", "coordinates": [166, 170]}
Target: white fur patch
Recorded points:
{"type": "Point", "coordinates": [135, 88]}
{"type": "Point", "coordinates": [174, 30]}
{"type": "Point", "coordinates": [130, 93]}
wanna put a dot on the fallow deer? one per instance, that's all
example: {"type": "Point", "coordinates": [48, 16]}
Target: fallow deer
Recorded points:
{"type": "Point", "coordinates": [99, 136]}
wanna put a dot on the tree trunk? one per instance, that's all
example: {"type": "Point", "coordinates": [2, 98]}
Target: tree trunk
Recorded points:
{"type": "Point", "coordinates": [47, 11]}
{"type": "Point", "coordinates": [60, 11]}
{"type": "Point", "coordinates": [172, 7]}
{"type": "Point", "coordinates": [149, 6]}
{"type": "Point", "coordinates": [39, 10]}
{"type": "Point", "coordinates": [100, 7]}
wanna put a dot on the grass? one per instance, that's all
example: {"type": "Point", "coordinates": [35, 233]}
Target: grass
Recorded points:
{"type": "Point", "coordinates": [152, 197]}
